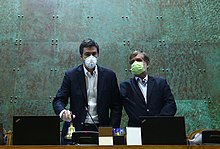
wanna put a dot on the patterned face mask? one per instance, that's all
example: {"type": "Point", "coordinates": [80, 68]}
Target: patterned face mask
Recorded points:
{"type": "Point", "coordinates": [137, 68]}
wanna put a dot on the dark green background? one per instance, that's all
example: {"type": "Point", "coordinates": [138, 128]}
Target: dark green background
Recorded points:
{"type": "Point", "coordinates": [40, 39]}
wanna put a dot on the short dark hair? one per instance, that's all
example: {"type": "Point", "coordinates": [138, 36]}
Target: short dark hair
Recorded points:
{"type": "Point", "coordinates": [86, 44]}
{"type": "Point", "coordinates": [138, 51]}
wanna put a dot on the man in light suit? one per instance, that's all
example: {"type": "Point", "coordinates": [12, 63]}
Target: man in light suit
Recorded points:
{"type": "Point", "coordinates": [92, 91]}
{"type": "Point", "coordinates": [144, 95]}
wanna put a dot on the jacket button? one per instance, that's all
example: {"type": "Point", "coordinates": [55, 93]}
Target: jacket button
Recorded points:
{"type": "Point", "coordinates": [82, 123]}
{"type": "Point", "coordinates": [148, 110]}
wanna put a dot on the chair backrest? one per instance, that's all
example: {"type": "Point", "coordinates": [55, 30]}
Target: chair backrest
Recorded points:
{"type": "Point", "coordinates": [195, 137]}
{"type": "Point", "coordinates": [192, 134]}
{"type": "Point", "coordinates": [9, 137]}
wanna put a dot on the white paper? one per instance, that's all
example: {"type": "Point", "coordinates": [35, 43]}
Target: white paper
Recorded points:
{"type": "Point", "coordinates": [106, 140]}
{"type": "Point", "coordinates": [133, 136]}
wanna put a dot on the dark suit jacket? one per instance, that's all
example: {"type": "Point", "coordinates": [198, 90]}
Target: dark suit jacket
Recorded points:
{"type": "Point", "coordinates": [160, 100]}
{"type": "Point", "coordinates": [109, 108]}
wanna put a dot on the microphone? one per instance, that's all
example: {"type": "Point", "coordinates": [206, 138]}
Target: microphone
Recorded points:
{"type": "Point", "coordinates": [87, 110]}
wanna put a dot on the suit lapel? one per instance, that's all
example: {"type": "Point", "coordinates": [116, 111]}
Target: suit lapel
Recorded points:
{"type": "Point", "coordinates": [82, 82]}
{"type": "Point", "coordinates": [137, 89]}
{"type": "Point", "coordinates": [150, 85]}
{"type": "Point", "coordinates": [100, 83]}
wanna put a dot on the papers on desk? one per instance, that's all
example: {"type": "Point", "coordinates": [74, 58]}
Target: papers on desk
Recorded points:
{"type": "Point", "coordinates": [106, 140]}
{"type": "Point", "coordinates": [105, 136]}
{"type": "Point", "coordinates": [133, 136]}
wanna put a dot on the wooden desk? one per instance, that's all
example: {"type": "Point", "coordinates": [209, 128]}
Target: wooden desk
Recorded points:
{"type": "Point", "coordinates": [111, 147]}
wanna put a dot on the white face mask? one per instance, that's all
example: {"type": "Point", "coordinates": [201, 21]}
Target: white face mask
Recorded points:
{"type": "Point", "coordinates": [90, 62]}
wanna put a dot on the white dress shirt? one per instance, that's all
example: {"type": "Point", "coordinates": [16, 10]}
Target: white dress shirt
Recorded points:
{"type": "Point", "coordinates": [142, 83]}
{"type": "Point", "coordinates": [91, 88]}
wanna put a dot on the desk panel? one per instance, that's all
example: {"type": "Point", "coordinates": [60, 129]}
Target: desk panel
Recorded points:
{"type": "Point", "coordinates": [111, 147]}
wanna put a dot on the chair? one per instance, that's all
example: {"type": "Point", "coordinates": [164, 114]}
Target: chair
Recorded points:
{"type": "Point", "coordinates": [192, 134]}
{"type": "Point", "coordinates": [195, 137]}
{"type": "Point", "coordinates": [205, 136]}
{"type": "Point", "coordinates": [9, 137]}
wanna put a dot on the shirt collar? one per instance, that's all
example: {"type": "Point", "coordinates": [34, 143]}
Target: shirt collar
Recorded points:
{"type": "Point", "coordinates": [87, 73]}
{"type": "Point", "coordinates": [138, 79]}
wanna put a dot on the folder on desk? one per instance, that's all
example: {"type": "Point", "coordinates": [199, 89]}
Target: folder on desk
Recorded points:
{"type": "Point", "coordinates": [133, 136]}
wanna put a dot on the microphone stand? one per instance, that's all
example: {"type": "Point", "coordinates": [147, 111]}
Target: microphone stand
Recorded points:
{"type": "Point", "coordinates": [91, 118]}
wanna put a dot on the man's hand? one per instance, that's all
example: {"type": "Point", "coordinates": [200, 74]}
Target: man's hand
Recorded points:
{"type": "Point", "coordinates": [66, 116]}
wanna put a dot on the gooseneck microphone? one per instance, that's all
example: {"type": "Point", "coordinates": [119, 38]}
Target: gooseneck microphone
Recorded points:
{"type": "Point", "coordinates": [87, 110]}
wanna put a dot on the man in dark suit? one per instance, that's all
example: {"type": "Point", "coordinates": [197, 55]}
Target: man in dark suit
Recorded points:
{"type": "Point", "coordinates": [144, 95]}
{"type": "Point", "coordinates": [93, 92]}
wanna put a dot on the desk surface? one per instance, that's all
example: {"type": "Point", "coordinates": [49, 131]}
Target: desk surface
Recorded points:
{"type": "Point", "coordinates": [110, 147]}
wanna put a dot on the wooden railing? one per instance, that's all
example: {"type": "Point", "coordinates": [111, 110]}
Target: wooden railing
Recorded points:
{"type": "Point", "coordinates": [111, 147]}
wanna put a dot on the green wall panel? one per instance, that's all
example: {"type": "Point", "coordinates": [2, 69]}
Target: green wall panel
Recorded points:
{"type": "Point", "coordinates": [6, 112]}
{"type": "Point", "coordinates": [199, 114]}
{"type": "Point", "coordinates": [38, 22]}
{"type": "Point", "coordinates": [40, 40]}
{"type": "Point", "coordinates": [143, 24]}
{"type": "Point", "coordinates": [35, 61]}
{"type": "Point", "coordinates": [211, 64]}
{"type": "Point", "coordinates": [67, 55]}
{"type": "Point", "coordinates": [118, 62]}
{"type": "Point", "coordinates": [82, 19]}
{"type": "Point", "coordinates": [70, 21]}
{"type": "Point", "coordinates": [183, 71]}
{"type": "Point", "coordinates": [196, 114]}
{"type": "Point", "coordinates": [177, 22]}
{"type": "Point", "coordinates": [8, 20]}
{"type": "Point", "coordinates": [207, 20]}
